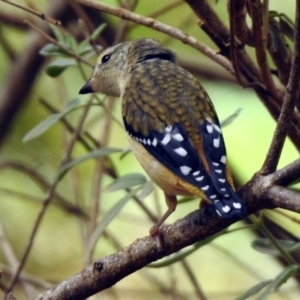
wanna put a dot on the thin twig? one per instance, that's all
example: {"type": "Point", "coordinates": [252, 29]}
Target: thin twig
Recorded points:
{"type": "Point", "coordinates": [65, 49]}
{"type": "Point", "coordinates": [292, 92]}
{"type": "Point", "coordinates": [34, 12]}
{"type": "Point", "coordinates": [47, 201]}
{"type": "Point", "coordinates": [259, 16]}
{"type": "Point", "coordinates": [159, 26]}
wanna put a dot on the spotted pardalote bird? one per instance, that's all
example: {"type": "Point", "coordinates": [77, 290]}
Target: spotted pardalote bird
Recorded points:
{"type": "Point", "coordinates": [172, 125]}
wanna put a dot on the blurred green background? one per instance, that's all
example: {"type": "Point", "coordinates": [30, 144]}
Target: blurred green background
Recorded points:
{"type": "Point", "coordinates": [225, 268]}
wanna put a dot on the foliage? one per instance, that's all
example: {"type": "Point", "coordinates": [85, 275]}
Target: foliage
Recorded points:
{"type": "Point", "coordinates": [83, 193]}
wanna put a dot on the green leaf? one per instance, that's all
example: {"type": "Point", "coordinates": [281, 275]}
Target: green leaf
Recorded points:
{"type": "Point", "coordinates": [231, 118]}
{"type": "Point", "coordinates": [52, 50]}
{"type": "Point", "coordinates": [255, 289]}
{"type": "Point", "coordinates": [286, 29]}
{"type": "Point", "coordinates": [278, 281]}
{"type": "Point", "coordinates": [42, 127]}
{"type": "Point", "coordinates": [93, 154]}
{"type": "Point", "coordinates": [126, 181]}
{"type": "Point", "coordinates": [56, 67]}
{"type": "Point", "coordinates": [71, 42]}
{"type": "Point", "coordinates": [57, 33]}
{"type": "Point", "coordinates": [49, 121]}
{"type": "Point", "coordinates": [146, 190]}
{"type": "Point", "coordinates": [264, 245]}
{"type": "Point", "coordinates": [85, 48]}
{"type": "Point", "coordinates": [98, 31]}
{"type": "Point", "coordinates": [283, 277]}
{"type": "Point", "coordinates": [277, 43]}
{"type": "Point", "coordinates": [109, 216]}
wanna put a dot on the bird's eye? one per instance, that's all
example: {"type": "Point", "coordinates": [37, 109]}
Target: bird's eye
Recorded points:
{"type": "Point", "coordinates": [105, 58]}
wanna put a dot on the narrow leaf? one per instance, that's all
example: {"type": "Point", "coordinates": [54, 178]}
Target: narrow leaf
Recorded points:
{"type": "Point", "coordinates": [56, 67]}
{"type": "Point", "coordinates": [51, 50]}
{"type": "Point", "coordinates": [42, 127]}
{"type": "Point", "coordinates": [264, 245]}
{"type": "Point", "coordinates": [51, 120]}
{"type": "Point", "coordinates": [255, 289]}
{"type": "Point", "coordinates": [126, 181]}
{"type": "Point", "coordinates": [57, 33]}
{"type": "Point", "coordinates": [109, 216]}
{"type": "Point", "coordinates": [286, 29]}
{"type": "Point", "coordinates": [93, 154]}
{"type": "Point", "coordinates": [98, 31]}
{"type": "Point", "coordinates": [278, 281]}
{"type": "Point", "coordinates": [283, 277]}
{"type": "Point", "coordinates": [231, 118]}
{"type": "Point", "coordinates": [146, 190]}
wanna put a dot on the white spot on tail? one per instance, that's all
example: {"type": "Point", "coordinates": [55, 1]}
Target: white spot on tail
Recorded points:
{"type": "Point", "coordinates": [222, 180]}
{"type": "Point", "coordinates": [223, 159]}
{"type": "Point", "coordinates": [226, 208]}
{"type": "Point", "coordinates": [196, 173]}
{"type": "Point", "coordinates": [215, 164]}
{"type": "Point", "coordinates": [218, 171]}
{"type": "Point", "coordinates": [199, 178]}
{"type": "Point", "coordinates": [216, 143]}
{"type": "Point", "coordinates": [237, 205]}
{"type": "Point", "coordinates": [212, 196]}
{"type": "Point", "coordinates": [149, 142]}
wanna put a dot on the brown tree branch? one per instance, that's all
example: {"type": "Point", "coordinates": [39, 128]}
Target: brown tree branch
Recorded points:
{"type": "Point", "coordinates": [291, 96]}
{"type": "Point", "coordinates": [193, 228]}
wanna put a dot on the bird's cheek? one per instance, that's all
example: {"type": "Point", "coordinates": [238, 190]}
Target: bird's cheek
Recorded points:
{"type": "Point", "coordinates": [109, 86]}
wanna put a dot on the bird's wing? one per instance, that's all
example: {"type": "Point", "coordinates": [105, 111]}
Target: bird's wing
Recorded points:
{"type": "Point", "coordinates": [193, 149]}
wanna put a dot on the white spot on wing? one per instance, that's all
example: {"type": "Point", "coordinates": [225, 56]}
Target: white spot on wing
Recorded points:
{"type": "Point", "coordinates": [209, 128]}
{"type": "Point", "coordinates": [222, 180]}
{"type": "Point", "coordinates": [178, 137]}
{"type": "Point", "coordinates": [199, 178]}
{"type": "Point", "coordinates": [218, 171]}
{"type": "Point", "coordinates": [216, 143]}
{"type": "Point", "coordinates": [154, 142]}
{"type": "Point", "coordinates": [196, 173]}
{"type": "Point", "coordinates": [181, 151]}
{"type": "Point", "coordinates": [212, 196]}
{"type": "Point", "coordinates": [166, 139]}
{"type": "Point", "coordinates": [215, 164]}
{"type": "Point", "coordinates": [149, 142]}
{"type": "Point", "coordinates": [168, 128]}
{"type": "Point", "coordinates": [205, 188]}
{"type": "Point", "coordinates": [223, 159]}
{"type": "Point", "coordinates": [185, 170]}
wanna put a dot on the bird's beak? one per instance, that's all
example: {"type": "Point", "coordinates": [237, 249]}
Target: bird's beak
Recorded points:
{"type": "Point", "coordinates": [87, 88]}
